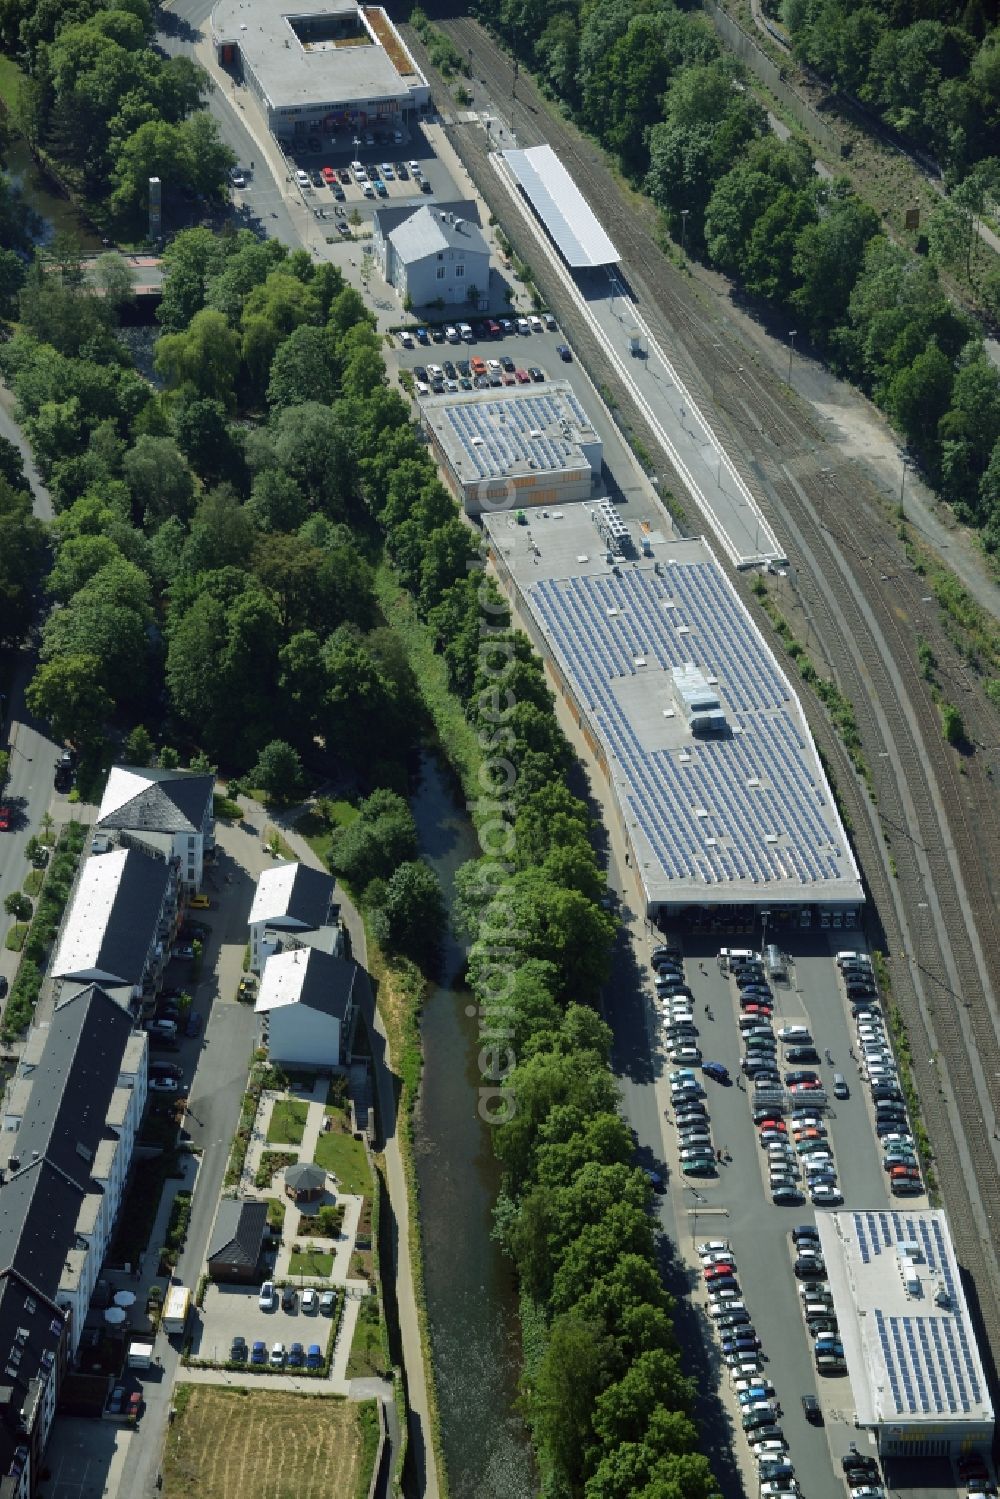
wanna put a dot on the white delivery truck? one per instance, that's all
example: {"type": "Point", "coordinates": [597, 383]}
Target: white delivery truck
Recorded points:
{"type": "Point", "coordinates": [175, 1310]}
{"type": "Point", "coordinates": [140, 1355]}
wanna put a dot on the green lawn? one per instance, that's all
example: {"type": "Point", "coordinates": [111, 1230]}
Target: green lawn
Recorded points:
{"type": "Point", "coordinates": [318, 823]}
{"type": "Point", "coordinates": [345, 1157]}
{"type": "Point", "coordinates": [369, 1354]}
{"type": "Point", "coordinates": [288, 1122]}
{"type": "Point", "coordinates": [11, 79]}
{"type": "Point", "coordinates": [311, 1262]}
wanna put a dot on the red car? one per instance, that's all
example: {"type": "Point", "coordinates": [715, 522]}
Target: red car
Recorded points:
{"type": "Point", "coordinates": [522, 377]}
{"type": "Point", "coordinates": [719, 1272]}
{"type": "Point", "coordinates": [4, 819]}
{"type": "Point", "coordinates": [328, 175]}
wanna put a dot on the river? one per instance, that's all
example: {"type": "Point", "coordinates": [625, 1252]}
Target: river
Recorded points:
{"type": "Point", "coordinates": [471, 1298]}
{"type": "Point", "coordinates": [56, 214]}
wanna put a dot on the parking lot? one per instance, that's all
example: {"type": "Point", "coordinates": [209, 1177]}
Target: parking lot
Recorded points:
{"type": "Point", "coordinates": [735, 1203]}
{"type": "Point", "coordinates": [539, 350]}
{"type": "Point", "coordinates": [233, 1311]}
{"type": "Point", "coordinates": [426, 179]}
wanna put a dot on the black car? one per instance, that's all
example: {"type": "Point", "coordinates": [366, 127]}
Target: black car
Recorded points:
{"type": "Point", "coordinates": [425, 186]}
{"type": "Point", "coordinates": [812, 1410]}
{"type": "Point", "coordinates": [402, 171]}
{"type": "Point", "coordinates": [63, 778]}
{"type": "Point", "coordinates": [802, 1054]}
{"type": "Point", "coordinates": [805, 1231]}
{"type": "Point", "coordinates": [420, 372]}
{"type": "Point", "coordinates": [238, 1353]}
{"type": "Point", "coordinates": [449, 369]}
{"type": "Point", "coordinates": [464, 368]}
{"type": "Point", "coordinates": [857, 1462]}
{"type": "Point", "coordinates": [805, 1268]}
{"type": "Point", "coordinates": [535, 372]}
{"type": "Point", "coordinates": [507, 363]}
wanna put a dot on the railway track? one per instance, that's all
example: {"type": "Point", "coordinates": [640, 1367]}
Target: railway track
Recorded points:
{"type": "Point", "coordinates": [868, 606]}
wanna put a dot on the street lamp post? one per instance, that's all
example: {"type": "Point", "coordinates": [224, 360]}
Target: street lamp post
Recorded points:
{"type": "Point", "coordinates": [902, 487]}
{"type": "Point", "coordinates": [684, 225]}
{"type": "Point", "coordinates": [791, 351]}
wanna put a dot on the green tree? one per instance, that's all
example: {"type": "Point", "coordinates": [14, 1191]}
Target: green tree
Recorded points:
{"type": "Point", "coordinates": [302, 369]}
{"type": "Point", "coordinates": [68, 694]}
{"type": "Point", "coordinates": [22, 552]}
{"type": "Point", "coordinates": [410, 914]}
{"type": "Point", "coordinates": [160, 482]}
{"type": "Point", "coordinates": [204, 358]}
{"type": "Point", "coordinates": [139, 747]}
{"type": "Point", "coordinates": [561, 1409]}
{"type": "Point", "coordinates": [278, 771]}
{"type": "Point", "coordinates": [381, 838]}
{"type": "Point", "coordinates": [18, 905]}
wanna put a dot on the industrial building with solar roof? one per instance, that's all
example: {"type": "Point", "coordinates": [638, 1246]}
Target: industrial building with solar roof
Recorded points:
{"type": "Point", "coordinates": [720, 791]}
{"type": "Point", "coordinates": [916, 1376]}
{"type": "Point", "coordinates": [521, 446]}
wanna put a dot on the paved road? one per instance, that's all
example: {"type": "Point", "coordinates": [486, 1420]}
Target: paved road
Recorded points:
{"type": "Point", "coordinates": [32, 753]}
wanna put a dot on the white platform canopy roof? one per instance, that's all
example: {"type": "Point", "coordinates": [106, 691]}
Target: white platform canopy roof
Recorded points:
{"type": "Point", "coordinates": [561, 207]}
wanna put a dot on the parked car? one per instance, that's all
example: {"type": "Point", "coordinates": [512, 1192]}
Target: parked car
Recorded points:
{"type": "Point", "coordinates": [277, 1358]}
{"type": "Point", "coordinates": [258, 1354]}
{"type": "Point", "coordinates": [327, 1303]}
{"type": "Point", "coordinates": [310, 1300]}
{"type": "Point", "coordinates": [238, 1353]}
{"type": "Point", "coordinates": [267, 1300]}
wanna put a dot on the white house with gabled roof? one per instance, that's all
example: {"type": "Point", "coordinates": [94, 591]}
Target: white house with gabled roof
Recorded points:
{"type": "Point", "coordinates": [307, 997]}
{"type": "Point", "coordinates": [292, 908]}
{"type": "Point", "coordinates": [169, 813]}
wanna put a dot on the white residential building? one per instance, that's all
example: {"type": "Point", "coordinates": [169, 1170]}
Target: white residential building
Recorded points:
{"type": "Point", "coordinates": [169, 813]}
{"type": "Point", "coordinates": [307, 998]}
{"type": "Point", "coordinates": [292, 907]}
{"type": "Point", "coordinates": [433, 254]}
{"type": "Point", "coordinates": [119, 924]}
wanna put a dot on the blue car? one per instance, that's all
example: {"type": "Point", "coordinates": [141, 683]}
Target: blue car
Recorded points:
{"type": "Point", "coordinates": [194, 1024]}
{"type": "Point", "coordinates": [258, 1354]}
{"type": "Point", "coordinates": [717, 1071]}
{"type": "Point", "coordinates": [296, 1356]}
{"type": "Point", "coordinates": [314, 1357]}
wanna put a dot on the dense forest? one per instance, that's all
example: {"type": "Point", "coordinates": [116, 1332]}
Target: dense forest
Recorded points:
{"type": "Point", "coordinates": [932, 72]}
{"type": "Point", "coordinates": [652, 84]}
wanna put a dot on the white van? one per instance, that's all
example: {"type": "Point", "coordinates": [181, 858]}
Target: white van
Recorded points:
{"type": "Point", "coordinates": [852, 957]}
{"type": "Point", "coordinates": [775, 960]}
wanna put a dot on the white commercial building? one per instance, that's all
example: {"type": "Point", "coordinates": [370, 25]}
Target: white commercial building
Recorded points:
{"type": "Point", "coordinates": [320, 65]}
{"type": "Point", "coordinates": [308, 999]}
{"type": "Point", "coordinates": [720, 790]}
{"type": "Point", "coordinates": [514, 447]}
{"type": "Point", "coordinates": [433, 254]}
{"type": "Point", "coordinates": [916, 1375]}
{"type": "Point", "coordinates": [169, 813]}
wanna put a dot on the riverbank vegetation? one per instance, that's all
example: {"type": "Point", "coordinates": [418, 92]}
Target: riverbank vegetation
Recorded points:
{"type": "Point", "coordinates": [106, 110]}
{"type": "Point", "coordinates": [651, 83]}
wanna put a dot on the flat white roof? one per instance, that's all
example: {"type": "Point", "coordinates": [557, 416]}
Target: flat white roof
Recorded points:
{"type": "Point", "coordinates": [561, 207]}
{"type": "Point", "coordinates": [908, 1339]}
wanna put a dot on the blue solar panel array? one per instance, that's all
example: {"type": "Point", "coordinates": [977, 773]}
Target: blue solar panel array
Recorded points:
{"type": "Point", "coordinates": [930, 1364]}
{"type": "Point", "coordinates": [702, 818]}
{"type": "Point", "coordinates": [496, 435]}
